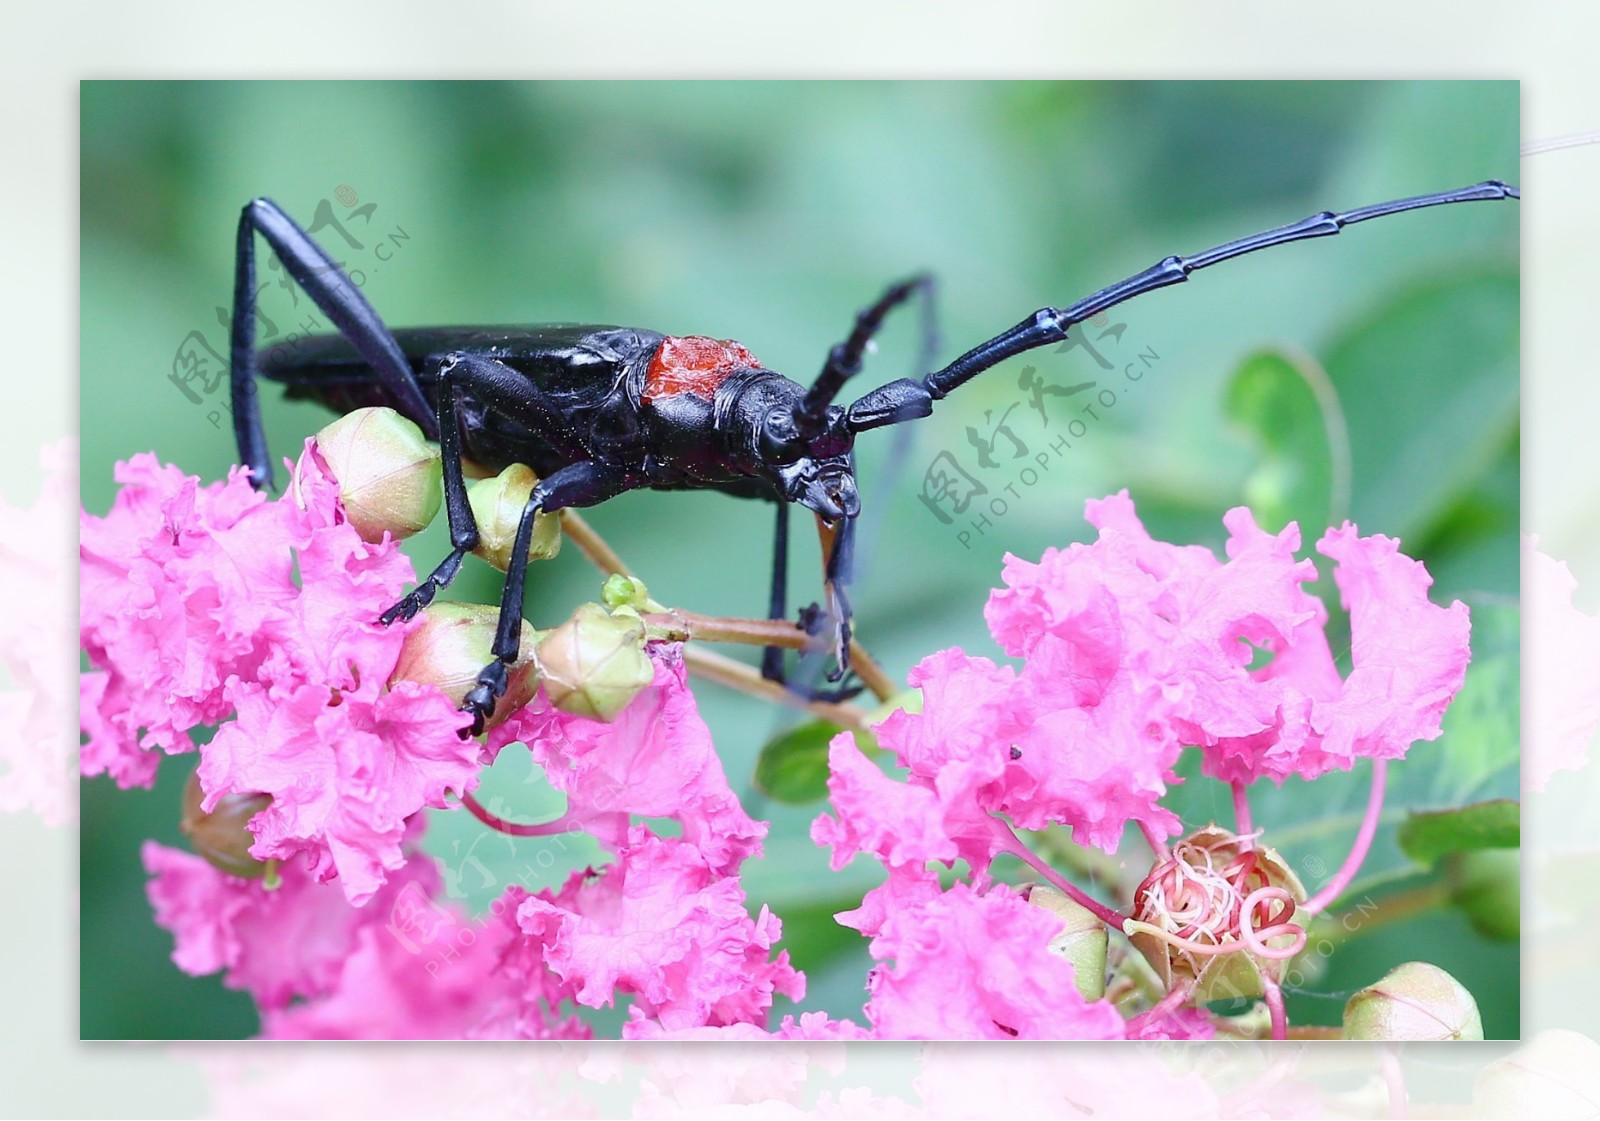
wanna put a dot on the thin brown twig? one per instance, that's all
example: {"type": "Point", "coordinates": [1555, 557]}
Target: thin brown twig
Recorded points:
{"type": "Point", "coordinates": [755, 632]}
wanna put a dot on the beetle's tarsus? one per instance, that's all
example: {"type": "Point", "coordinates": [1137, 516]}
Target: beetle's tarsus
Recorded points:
{"type": "Point", "coordinates": [481, 700]}
{"type": "Point", "coordinates": [410, 603]}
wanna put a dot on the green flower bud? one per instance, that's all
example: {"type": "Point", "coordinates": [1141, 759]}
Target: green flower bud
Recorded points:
{"type": "Point", "coordinates": [389, 476]}
{"type": "Point", "coordinates": [1082, 939]}
{"type": "Point", "coordinates": [453, 643]}
{"type": "Point", "coordinates": [594, 663]}
{"type": "Point", "coordinates": [1554, 1074]}
{"type": "Point", "coordinates": [625, 591]}
{"type": "Point", "coordinates": [221, 836]}
{"type": "Point", "coordinates": [497, 506]}
{"type": "Point", "coordinates": [1414, 1001]}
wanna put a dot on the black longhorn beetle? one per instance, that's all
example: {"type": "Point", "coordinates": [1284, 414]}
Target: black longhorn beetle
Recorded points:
{"type": "Point", "coordinates": [596, 411]}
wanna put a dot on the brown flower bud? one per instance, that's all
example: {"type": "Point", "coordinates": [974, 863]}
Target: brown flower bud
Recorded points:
{"type": "Point", "coordinates": [453, 643]}
{"type": "Point", "coordinates": [222, 836]}
{"type": "Point", "coordinates": [497, 506]}
{"type": "Point", "coordinates": [388, 475]}
{"type": "Point", "coordinates": [1413, 1001]}
{"type": "Point", "coordinates": [1081, 940]}
{"type": "Point", "coordinates": [595, 663]}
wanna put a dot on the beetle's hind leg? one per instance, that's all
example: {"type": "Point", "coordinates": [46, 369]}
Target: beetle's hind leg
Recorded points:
{"type": "Point", "coordinates": [340, 300]}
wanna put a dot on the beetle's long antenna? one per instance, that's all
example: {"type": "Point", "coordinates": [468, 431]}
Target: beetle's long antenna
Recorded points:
{"type": "Point", "coordinates": [844, 360]}
{"type": "Point", "coordinates": [907, 399]}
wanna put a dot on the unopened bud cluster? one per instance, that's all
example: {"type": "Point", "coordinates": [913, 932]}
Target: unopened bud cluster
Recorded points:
{"type": "Point", "coordinates": [497, 506]}
{"type": "Point", "coordinates": [595, 662]}
{"type": "Point", "coordinates": [1082, 939]}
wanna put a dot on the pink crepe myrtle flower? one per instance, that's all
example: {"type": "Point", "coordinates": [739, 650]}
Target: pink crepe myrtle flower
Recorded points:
{"type": "Point", "coordinates": [656, 759]}
{"type": "Point", "coordinates": [276, 942]}
{"type": "Point", "coordinates": [977, 965]}
{"type": "Point", "coordinates": [464, 984]}
{"type": "Point", "coordinates": [1166, 633]}
{"type": "Point", "coordinates": [663, 924]}
{"type": "Point", "coordinates": [201, 603]}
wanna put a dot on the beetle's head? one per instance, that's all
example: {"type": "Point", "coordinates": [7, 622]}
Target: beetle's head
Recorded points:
{"type": "Point", "coordinates": [808, 464]}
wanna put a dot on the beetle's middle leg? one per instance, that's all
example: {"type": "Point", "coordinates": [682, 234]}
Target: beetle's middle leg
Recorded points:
{"type": "Point", "coordinates": [586, 483]}
{"type": "Point", "coordinates": [502, 388]}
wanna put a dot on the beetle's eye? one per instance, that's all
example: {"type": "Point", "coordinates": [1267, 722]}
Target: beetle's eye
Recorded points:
{"type": "Point", "coordinates": [780, 440]}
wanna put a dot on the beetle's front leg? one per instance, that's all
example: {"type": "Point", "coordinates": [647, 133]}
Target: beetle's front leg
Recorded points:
{"type": "Point", "coordinates": [453, 371]}
{"type": "Point", "coordinates": [578, 484]}
{"type": "Point", "coordinates": [813, 617]}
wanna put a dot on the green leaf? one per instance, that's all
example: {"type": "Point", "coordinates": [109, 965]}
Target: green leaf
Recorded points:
{"type": "Point", "coordinates": [1406, 474]}
{"type": "Point", "coordinates": [1288, 406]}
{"type": "Point", "coordinates": [1425, 837]}
{"type": "Point", "coordinates": [793, 766]}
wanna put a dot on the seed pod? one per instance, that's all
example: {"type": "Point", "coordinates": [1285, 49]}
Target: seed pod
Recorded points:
{"type": "Point", "coordinates": [389, 476]}
{"type": "Point", "coordinates": [222, 836]}
{"type": "Point", "coordinates": [1202, 902]}
{"type": "Point", "coordinates": [452, 645]}
{"type": "Point", "coordinates": [497, 506]}
{"type": "Point", "coordinates": [595, 663]}
{"type": "Point", "coordinates": [1081, 940]}
{"type": "Point", "coordinates": [1414, 1001]}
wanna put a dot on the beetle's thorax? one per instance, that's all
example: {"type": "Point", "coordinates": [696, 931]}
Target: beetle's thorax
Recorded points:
{"type": "Point", "coordinates": [722, 414]}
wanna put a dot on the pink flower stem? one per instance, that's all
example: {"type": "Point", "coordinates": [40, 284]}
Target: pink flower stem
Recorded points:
{"type": "Point", "coordinates": [1010, 842]}
{"type": "Point", "coordinates": [1241, 811]}
{"type": "Point", "coordinates": [1161, 1009]}
{"type": "Point", "coordinates": [1157, 843]}
{"type": "Point", "coordinates": [1358, 851]}
{"type": "Point", "coordinates": [501, 825]}
{"type": "Point", "coordinates": [1274, 996]}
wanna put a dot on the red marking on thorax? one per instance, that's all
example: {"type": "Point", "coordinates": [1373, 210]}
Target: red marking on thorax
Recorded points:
{"type": "Point", "coordinates": [694, 364]}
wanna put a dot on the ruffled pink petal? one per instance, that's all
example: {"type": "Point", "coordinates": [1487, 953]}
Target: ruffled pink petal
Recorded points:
{"type": "Point", "coordinates": [344, 773]}
{"type": "Point", "coordinates": [276, 944]}
{"type": "Point", "coordinates": [656, 759]}
{"type": "Point", "coordinates": [966, 965]}
{"type": "Point", "coordinates": [661, 924]}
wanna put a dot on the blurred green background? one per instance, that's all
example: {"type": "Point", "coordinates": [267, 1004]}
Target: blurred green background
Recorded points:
{"type": "Point", "coordinates": [1381, 365]}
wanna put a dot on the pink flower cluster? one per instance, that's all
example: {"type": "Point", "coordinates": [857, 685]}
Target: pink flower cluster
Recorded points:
{"type": "Point", "coordinates": [1165, 635]}
{"type": "Point", "coordinates": [203, 603]}
{"type": "Point", "coordinates": [192, 610]}
{"type": "Point", "coordinates": [211, 605]}
{"type": "Point", "coordinates": [665, 922]}
{"type": "Point", "coordinates": [1133, 649]}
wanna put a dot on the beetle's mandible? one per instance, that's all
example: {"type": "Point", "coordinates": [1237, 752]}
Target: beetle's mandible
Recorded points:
{"type": "Point", "coordinates": [596, 411]}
